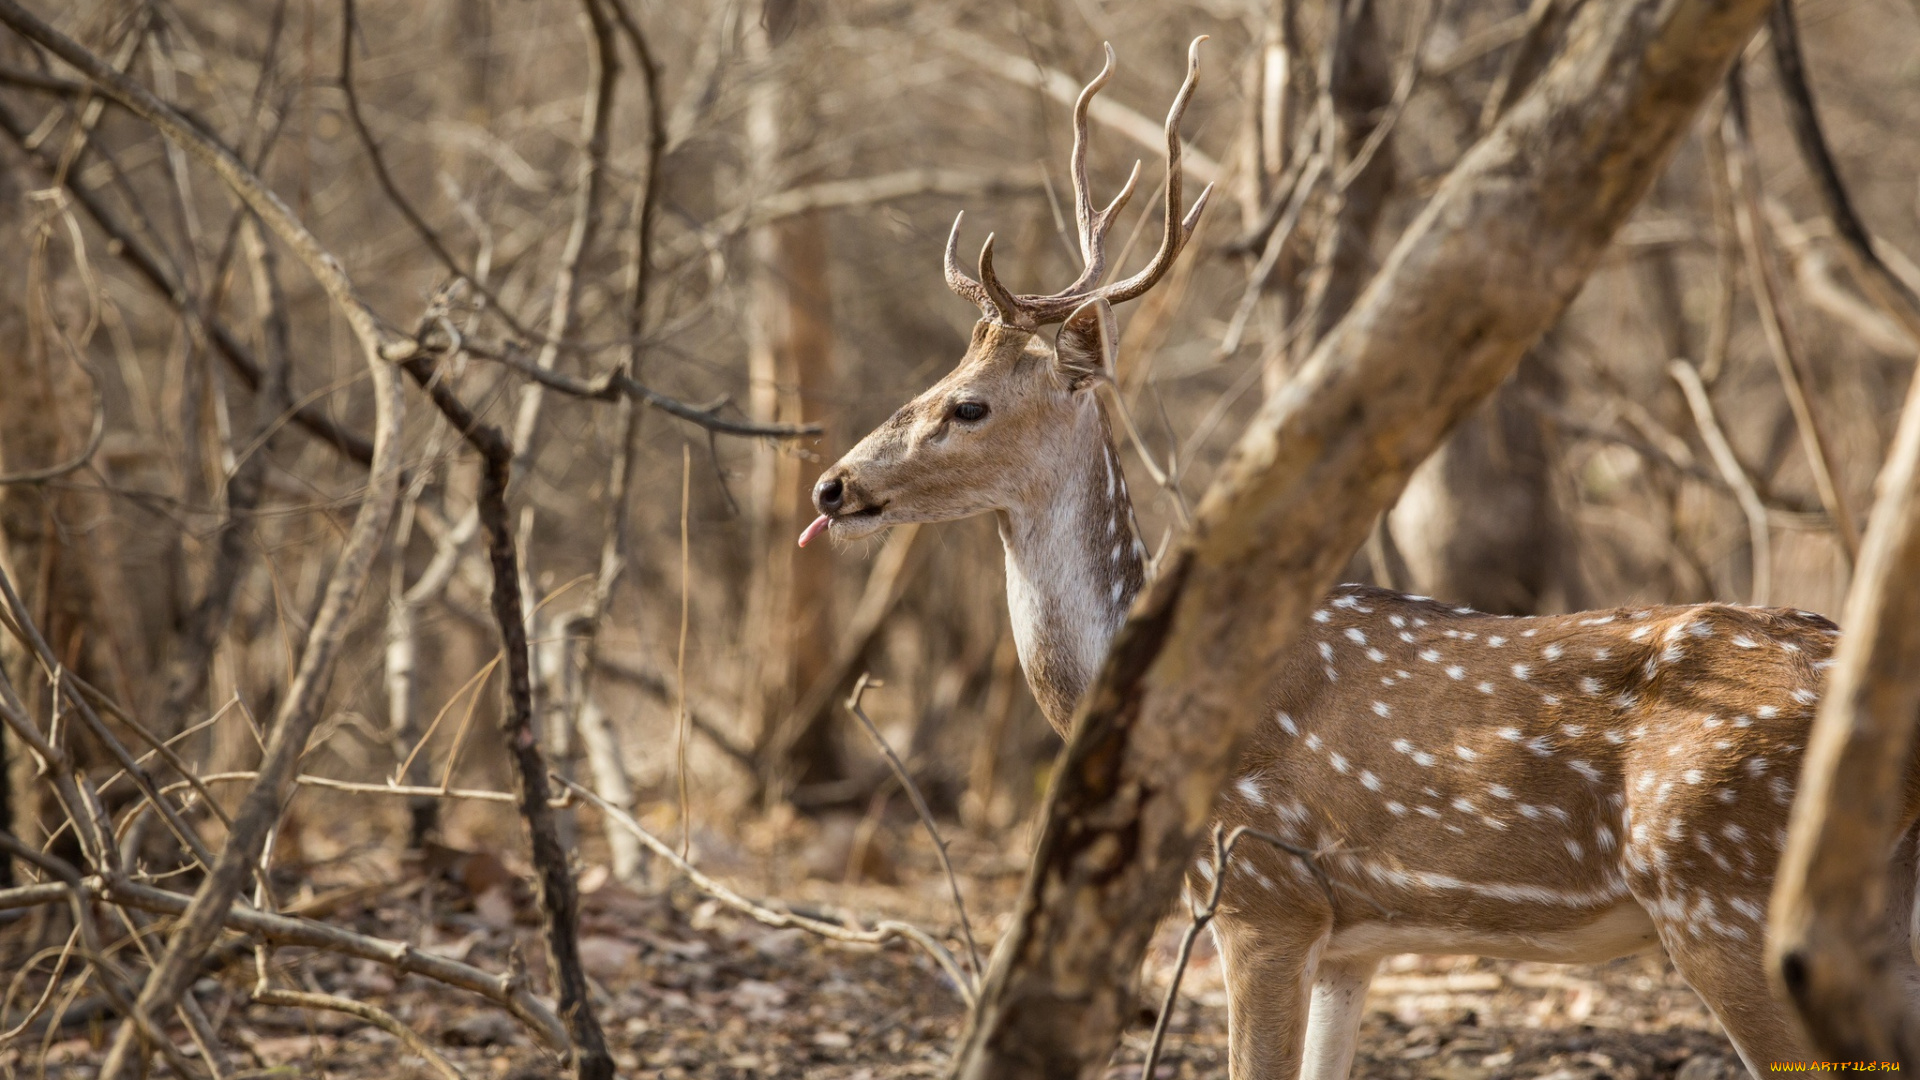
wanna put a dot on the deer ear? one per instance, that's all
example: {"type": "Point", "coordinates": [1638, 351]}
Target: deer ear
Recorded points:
{"type": "Point", "coordinates": [1088, 343]}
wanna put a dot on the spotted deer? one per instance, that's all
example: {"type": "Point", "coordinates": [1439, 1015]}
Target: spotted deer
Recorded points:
{"type": "Point", "coordinates": [1563, 788]}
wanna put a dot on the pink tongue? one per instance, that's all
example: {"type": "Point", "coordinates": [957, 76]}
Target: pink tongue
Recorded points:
{"type": "Point", "coordinates": [819, 526]}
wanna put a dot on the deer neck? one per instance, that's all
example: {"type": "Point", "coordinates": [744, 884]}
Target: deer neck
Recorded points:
{"type": "Point", "coordinates": [1074, 564]}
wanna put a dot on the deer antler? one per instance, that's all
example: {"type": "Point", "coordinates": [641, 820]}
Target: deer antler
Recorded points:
{"type": "Point", "coordinates": [1030, 311]}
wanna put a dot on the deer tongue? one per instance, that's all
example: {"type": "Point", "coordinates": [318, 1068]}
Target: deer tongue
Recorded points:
{"type": "Point", "coordinates": [819, 526]}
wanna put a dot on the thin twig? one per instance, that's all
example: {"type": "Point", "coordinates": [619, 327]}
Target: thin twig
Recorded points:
{"type": "Point", "coordinates": [883, 930]}
{"type": "Point", "coordinates": [1276, 244]}
{"type": "Point", "coordinates": [1223, 845]}
{"type": "Point", "coordinates": [380, 1018]}
{"type": "Point", "coordinates": [509, 992]}
{"type": "Point", "coordinates": [613, 384]}
{"type": "Point", "coordinates": [95, 435]}
{"type": "Point", "coordinates": [680, 658]}
{"type": "Point", "coordinates": [1745, 181]}
{"type": "Point", "coordinates": [926, 817]}
{"type": "Point", "coordinates": [558, 894]}
{"type": "Point", "coordinates": [349, 30]}
{"type": "Point", "coordinates": [1758, 530]}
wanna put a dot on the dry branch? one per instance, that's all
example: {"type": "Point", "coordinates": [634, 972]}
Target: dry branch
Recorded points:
{"type": "Point", "coordinates": [1829, 937]}
{"type": "Point", "coordinates": [380, 1018]}
{"type": "Point", "coordinates": [920, 807]}
{"type": "Point", "coordinates": [1488, 265]}
{"type": "Point", "coordinates": [1782, 343]}
{"type": "Point", "coordinates": [1202, 913]}
{"type": "Point", "coordinates": [884, 930]}
{"type": "Point", "coordinates": [1759, 533]}
{"type": "Point", "coordinates": [261, 808]}
{"type": "Point", "coordinates": [1063, 88]}
{"type": "Point", "coordinates": [1887, 289]}
{"type": "Point", "coordinates": [509, 992]}
{"type": "Point", "coordinates": [559, 897]}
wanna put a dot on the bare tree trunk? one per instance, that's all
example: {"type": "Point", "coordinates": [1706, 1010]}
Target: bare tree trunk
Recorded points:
{"type": "Point", "coordinates": [790, 358]}
{"type": "Point", "coordinates": [1490, 264]}
{"type": "Point", "coordinates": [1479, 523]}
{"type": "Point", "coordinates": [1358, 87]}
{"type": "Point", "coordinates": [1833, 942]}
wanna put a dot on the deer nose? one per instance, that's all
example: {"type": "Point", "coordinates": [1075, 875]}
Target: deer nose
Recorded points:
{"type": "Point", "coordinates": [828, 493]}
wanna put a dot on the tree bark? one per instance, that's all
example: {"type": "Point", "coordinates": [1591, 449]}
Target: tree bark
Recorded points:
{"type": "Point", "coordinates": [1831, 939]}
{"type": "Point", "coordinates": [1358, 89]}
{"type": "Point", "coordinates": [1490, 264]}
{"type": "Point", "coordinates": [790, 360]}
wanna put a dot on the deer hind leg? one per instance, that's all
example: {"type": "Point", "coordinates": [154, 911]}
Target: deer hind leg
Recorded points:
{"type": "Point", "coordinates": [1333, 1021]}
{"type": "Point", "coordinates": [1269, 972]}
{"type": "Point", "coordinates": [1719, 948]}
{"type": "Point", "coordinates": [1730, 977]}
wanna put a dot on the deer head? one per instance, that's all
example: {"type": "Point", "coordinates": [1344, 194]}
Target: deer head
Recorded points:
{"type": "Point", "coordinates": [993, 433]}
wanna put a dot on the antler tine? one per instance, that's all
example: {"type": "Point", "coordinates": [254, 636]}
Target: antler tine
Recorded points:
{"type": "Point", "coordinates": [1093, 244]}
{"type": "Point", "coordinates": [1005, 307]}
{"type": "Point", "coordinates": [1178, 230]}
{"type": "Point", "coordinates": [959, 282]}
{"type": "Point", "coordinates": [1083, 214]}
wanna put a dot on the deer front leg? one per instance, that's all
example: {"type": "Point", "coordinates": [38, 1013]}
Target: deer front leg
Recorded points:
{"type": "Point", "coordinates": [1333, 1021]}
{"type": "Point", "coordinates": [1269, 971]}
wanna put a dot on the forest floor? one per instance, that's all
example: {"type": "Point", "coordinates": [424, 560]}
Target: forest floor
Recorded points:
{"type": "Point", "coordinates": [691, 989]}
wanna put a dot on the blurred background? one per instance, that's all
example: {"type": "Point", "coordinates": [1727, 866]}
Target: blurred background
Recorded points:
{"type": "Point", "coordinates": [746, 202]}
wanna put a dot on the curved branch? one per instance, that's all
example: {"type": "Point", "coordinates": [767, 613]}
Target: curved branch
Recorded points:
{"type": "Point", "coordinates": [80, 460]}
{"type": "Point", "coordinates": [1874, 275]}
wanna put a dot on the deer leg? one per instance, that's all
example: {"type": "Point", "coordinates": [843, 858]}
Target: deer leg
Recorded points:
{"type": "Point", "coordinates": [1268, 978]}
{"type": "Point", "coordinates": [1333, 1022]}
{"type": "Point", "coordinates": [1731, 977]}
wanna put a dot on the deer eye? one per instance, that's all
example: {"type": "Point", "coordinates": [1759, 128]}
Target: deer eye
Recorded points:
{"type": "Point", "coordinates": [970, 412]}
